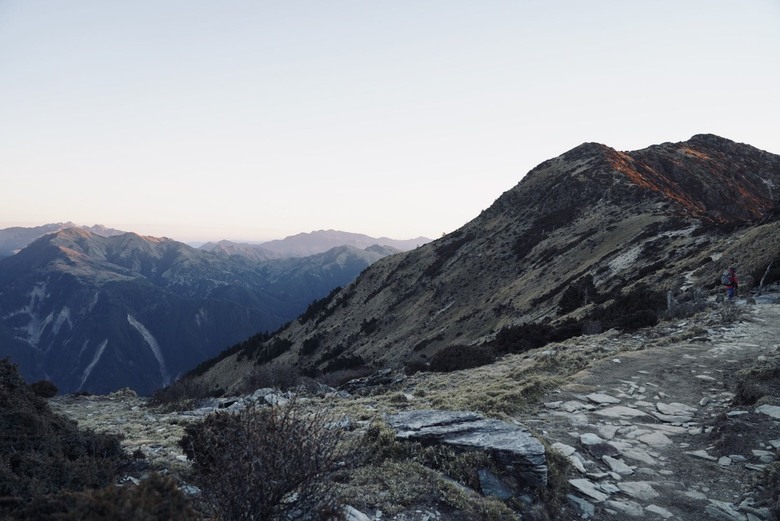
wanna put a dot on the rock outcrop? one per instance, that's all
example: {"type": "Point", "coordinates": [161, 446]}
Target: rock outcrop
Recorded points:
{"type": "Point", "coordinates": [510, 444]}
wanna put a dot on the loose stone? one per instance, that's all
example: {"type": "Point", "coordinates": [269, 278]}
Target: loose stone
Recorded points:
{"type": "Point", "coordinates": [608, 431]}
{"type": "Point", "coordinates": [703, 455]}
{"type": "Point", "coordinates": [588, 488]}
{"type": "Point", "coordinates": [582, 505]}
{"type": "Point", "coordinates": [628, 508]}
{"type": "Point", "coordinates": [615, 465]}
{"type": "Point", "coordinates": [601, 398]}
{"type": "Point", "coordinates": [590, 439]}
{"type": "Point", "coordinates": [620, 411]}
{"type": "Point", "coordinates": [638, 489]}
{"type": "Point", "coordinates": [773, 411]}
{"type": "Point", "coordinates": [563, 449]}
{"type": "Point", "coordinates": [655, 509]}
{"type": "Point", "coordinates": [655, 439]}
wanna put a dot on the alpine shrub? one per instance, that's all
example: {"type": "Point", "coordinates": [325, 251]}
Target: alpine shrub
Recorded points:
{"type": "Point", "coordinates": [156, 497]}
{"type": "Point", "coordinates": [636, 309]}
{"type": "Point", "coordinates": [43, 453]}
{"type": "Point", "coordinates": [251, 465]}
{"type": "Point", "coordinates": [459, 356]}
{"type": "Point", "coordinates": [182, 394]}
{"type": "Point", "coordinates": [44, 389]}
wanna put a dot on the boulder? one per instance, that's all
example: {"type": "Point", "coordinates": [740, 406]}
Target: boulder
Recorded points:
{"type": "Point", "coordinates": [509, 444]}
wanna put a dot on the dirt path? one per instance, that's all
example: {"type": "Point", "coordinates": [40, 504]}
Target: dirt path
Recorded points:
{"type": "Point", "coordinates": [654, 432]}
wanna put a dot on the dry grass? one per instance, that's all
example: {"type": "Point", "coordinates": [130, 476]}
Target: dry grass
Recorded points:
{"type": "Point", "coordinates": [395, 487]}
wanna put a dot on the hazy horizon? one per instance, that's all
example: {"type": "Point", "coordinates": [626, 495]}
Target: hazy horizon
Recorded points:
{"type": "Point", "coordinates": [199, 241]}
{"type": "Point", "coordinates": [254, 121]}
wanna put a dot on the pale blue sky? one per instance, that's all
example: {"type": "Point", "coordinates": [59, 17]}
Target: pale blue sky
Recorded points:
{"type": "Point", "coordinates": [259, 119]}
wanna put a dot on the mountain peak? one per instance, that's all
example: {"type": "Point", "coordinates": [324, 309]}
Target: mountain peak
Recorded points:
{"type": "Point", "coordinates": [593, 220]}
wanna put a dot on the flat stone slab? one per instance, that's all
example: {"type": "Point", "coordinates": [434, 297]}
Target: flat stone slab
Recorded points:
{"type": "Point", "coordinates": [608, 431]}
{"type": "Point", "coordinates": [620, 411]}
{"type": "Point", "coordinates": [638, 454]}
{"type": "Point", "coordinates": [669, 418]}
{"type": "Point", "coordinates": [655, 439]}
{"type": "Point", "coordinates": [511, 445]}
{"type": "Point", "coordinates": [585, 507]}
{"type": "Point", "coordinates": [638, 489]}
{"type": "Point", "coordinates": [563, 449]}
{"type": "Point", "coordinates": [703, 454]}
{"type": "Point", "coordinates": [615, 465]}
{"type": "Point", "coordinates": [602, 399]}
{"type": "Point", "coordinates": [590, 439]}
{"type": "Point", "coordinates": [588, 488]}
{"type": "Point", "coordinates": [628, 508]}
{"type": "Point", "coordinates": [773, 411]}
{"type": "Point", "coordinates": [655, 509]}
{"type": "Point", "coordinates": [675, 409]}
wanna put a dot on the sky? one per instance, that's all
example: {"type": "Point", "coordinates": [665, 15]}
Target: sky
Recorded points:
{"type": "Point", "coordinates": [254, 120]}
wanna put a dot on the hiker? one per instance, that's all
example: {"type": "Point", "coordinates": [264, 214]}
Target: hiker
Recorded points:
{"type": "Point", "coordinates": [731, 283]}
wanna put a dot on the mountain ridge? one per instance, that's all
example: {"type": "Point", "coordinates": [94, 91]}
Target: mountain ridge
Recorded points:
{"type": "Point", "coordinates": [593, 215]}
{"type": "Point", "coordinates": [305, 244]}
{"type": "Point", "coordinates": [98, 313]}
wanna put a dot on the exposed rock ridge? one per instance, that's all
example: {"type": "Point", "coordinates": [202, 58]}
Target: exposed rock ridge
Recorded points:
{"type": "Point", "coordinates": [510, 444]}
{"type": "Point", "coordinates": [622, 218]}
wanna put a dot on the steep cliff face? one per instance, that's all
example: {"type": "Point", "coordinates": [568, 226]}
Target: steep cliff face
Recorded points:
{"type": "Point", "coordinates": [655, 216]}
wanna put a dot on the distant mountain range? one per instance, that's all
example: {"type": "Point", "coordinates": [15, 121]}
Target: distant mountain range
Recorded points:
{"type": "Point", "coordinates": [575, 235]}
{"type": "Point", "coordinates": [99, 311]}
{"type": "Point", "coordinates": [305, 244]}
{"type": "Point", "coordinates": [14, 239]}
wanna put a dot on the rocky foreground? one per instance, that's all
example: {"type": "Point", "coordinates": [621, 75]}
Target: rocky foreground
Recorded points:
{"type": "Point", "coordinates": [650, 425]}
{"type": "Point", "coordinates": [655, 433]}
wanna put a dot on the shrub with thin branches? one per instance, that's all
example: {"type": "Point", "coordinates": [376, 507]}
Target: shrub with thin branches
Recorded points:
{"type": "Point", "coordinates": [182, 394]}
{"type": "Point", "coordinates": [265, 463]}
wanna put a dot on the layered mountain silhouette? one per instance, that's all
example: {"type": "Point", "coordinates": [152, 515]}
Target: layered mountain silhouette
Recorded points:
{"type": "Point", "coordinates": [96, 313]}
{"type": "Point", "coordinates": [15, 238]}
{"type": "Point", "coordinates": [305, 244]}
{"type": "Point", "coordinates": [669, 217]}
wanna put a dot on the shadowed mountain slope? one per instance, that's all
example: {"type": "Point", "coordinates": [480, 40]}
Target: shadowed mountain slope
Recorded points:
{"type": "Point", "coordinates": [670, 216]}
{"type": "Point", "coordinates": [99, 313]}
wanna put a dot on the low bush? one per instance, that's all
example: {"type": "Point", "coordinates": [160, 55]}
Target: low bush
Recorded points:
{"type": "Point", "coordinates": [342, 376]}
{"type": "Point", "coordinates": [311, 344]}
{"type": "Point", "coordinates": [760, 380]}
{"type": "Point", "coordinates": [264, 463]}
{"type": "Point", "coordinates": [767, 486]}
{"type": "Point", "coordinates": [181, 395]}
{"type": "Point", "coordinates": [274, 375]}
{"type": "Point", "coordinates": [415, 366]}
{"type": "Point", "coordinates": [43, 453]}
{"type": "Point", "coordinates": [154, 498]}
{"type": "Point", "coordinates": [517, 339]}
{"type": "Point", "coordinates": [44, 389]}
{"type": "Point", "coordinates": [641, 307]}
{"type": "Point", "coordinates": [459, 356]}
{"type": "Point", "coordinates": [578, 294]}
{"type": "Point", "coordinates": [344, 362]}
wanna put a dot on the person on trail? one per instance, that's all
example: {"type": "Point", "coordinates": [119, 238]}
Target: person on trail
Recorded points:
{"type": "Point", "coordinates": [731, 283]}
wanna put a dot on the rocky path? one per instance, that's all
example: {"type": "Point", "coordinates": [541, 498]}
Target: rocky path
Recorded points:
{"type": "Point", "coordinates": [653, 433]}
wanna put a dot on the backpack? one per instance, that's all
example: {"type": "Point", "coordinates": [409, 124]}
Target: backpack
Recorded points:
{"type": "Point", "coordinates": [725, 278]}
